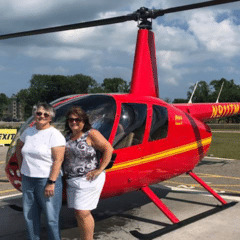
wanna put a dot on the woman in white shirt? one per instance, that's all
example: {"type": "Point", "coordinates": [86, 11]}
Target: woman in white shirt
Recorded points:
{"type": "Point", "coordinates": [40, 153]}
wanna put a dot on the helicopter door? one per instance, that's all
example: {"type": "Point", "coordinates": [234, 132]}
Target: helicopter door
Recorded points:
{"type": "Point", "coordinates": [131, 125]}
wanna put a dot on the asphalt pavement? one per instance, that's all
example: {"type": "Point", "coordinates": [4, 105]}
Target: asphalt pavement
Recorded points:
{"type": "Point", "coordinates": [134, 216]}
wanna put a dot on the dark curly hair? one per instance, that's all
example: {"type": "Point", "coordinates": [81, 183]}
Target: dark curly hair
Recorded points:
{"type": "Point", "coordinates": [82, 115]}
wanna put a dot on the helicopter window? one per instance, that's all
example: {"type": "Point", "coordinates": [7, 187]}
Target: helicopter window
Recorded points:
{"type": "Point", "coordinates": [159, 127]}
{"type": "Point", "coordinates": [100, 109]}
{"type": "Point", "coordinates": [131, 125]}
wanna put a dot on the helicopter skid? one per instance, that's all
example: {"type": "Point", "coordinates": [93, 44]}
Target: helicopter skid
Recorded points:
{"type": "Point", "coordinates": [210, 190]}
{"type": "Point", "coordinates": [152, 196]}
{"type": "Point", "coordinates": [173, 227]}
{"type": "Point", "coordinates": [176, 222]}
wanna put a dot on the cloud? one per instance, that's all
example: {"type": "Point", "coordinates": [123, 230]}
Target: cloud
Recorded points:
{"type": "Point", "coordinates": [21, 8]}
{"type": "Point", "coordinates": [27, 15]}
{"type": "Point", "coordinates": [118, 37]}
{"type": "Point", "coordinates": [192, 42]}
{"type": "Point", "coordinates": [175, 38]}
{"type": "Point", "coordinates": [172, 81]}
{"type": "Point", "coordinates": [2, 68]}
{"type": "Point", "coordinates": [111, 72]}
{"type": "Point", "coordinates": [210, 69]}
{"type": "Point", "coordinates": [49, 70]}
{"type": "Point", "coordinates": [168, 59]}
{"type": "Point", "coordinates": [201, 36]}
{"type": "Point", "coordinates": [222, 37]}
{"type": "Point", "coordinates": [231, 69]}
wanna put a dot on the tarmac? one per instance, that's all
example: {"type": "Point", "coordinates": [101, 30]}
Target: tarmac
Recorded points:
{"type": "Point", "coordinates": [134, 216]}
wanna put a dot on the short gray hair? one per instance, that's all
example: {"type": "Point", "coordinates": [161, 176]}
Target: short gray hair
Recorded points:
{"type": "Point", "coordinates": [48, 107]}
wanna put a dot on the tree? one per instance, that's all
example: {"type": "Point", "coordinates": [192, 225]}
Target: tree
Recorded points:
{"type": "Point", "coordinates": [4, 100]}
{"type": "Point", "coordinates": [46, 88]}
{"type": "Point", "coordinates": [180, 100]}
{"type": "Point", "coordinates": [81, 83]}
{"type": "Point", "coordinates": [230, 91]}
{"type": "Point", "coordinates": [209, 93]}
{"type": "Point", "coordinates": [167, 100]}
{"type": "Point", "coordinates": [202, 93]}
{"type": "Point", "coordinates": [112, 85]}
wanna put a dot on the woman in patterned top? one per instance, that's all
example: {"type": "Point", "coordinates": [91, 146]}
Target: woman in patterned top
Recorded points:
{"type": "Point", "coordinates": [85, 176]}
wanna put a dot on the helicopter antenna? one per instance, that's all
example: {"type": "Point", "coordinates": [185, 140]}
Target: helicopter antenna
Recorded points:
{"type": "Point", "coordinates": [220, 92]}
{"type": "Point", "coordinates": [190, 100]}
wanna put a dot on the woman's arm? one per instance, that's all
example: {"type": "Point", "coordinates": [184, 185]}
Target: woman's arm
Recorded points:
{"type": "Point", "coordinates": [58, 156]}
{"type": "Point", "coordinates": [99, 142]}
{"type": "Point", "coordinates": [19, 153]}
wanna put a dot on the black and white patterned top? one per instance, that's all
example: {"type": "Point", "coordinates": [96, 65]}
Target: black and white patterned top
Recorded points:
{"type": "Point", "coordinates": [80, 158]}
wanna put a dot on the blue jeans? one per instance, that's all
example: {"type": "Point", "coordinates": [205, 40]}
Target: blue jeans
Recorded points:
{"type": "Point", "coordinates": [35, 203]}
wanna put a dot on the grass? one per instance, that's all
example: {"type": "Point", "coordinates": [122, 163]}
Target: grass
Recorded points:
{"type": "Point", "coordinates": [225, 145]}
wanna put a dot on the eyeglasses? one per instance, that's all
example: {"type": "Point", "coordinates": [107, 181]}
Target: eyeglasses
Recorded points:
{"type": "Point", "coordinates": [77, 120]}
{"type": "Point", "coordinates": [39, 114]}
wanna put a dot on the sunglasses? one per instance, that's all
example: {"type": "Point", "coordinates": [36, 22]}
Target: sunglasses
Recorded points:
{"type": "Point", "coordinates": [39, 114]}
{"type": "Point", "coordinates": [77, 120]}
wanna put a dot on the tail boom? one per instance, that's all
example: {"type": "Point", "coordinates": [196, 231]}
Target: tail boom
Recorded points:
{"type": "Point", "coordinates": [208, 111]}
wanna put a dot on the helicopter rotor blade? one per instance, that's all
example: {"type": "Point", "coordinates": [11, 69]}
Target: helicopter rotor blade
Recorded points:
{"type": "Point", "coordinates": [80, 25]}
{"type": "Point", "coordinates": [142, 13]}
{"type": "Point", "coordinates": [161, 12]}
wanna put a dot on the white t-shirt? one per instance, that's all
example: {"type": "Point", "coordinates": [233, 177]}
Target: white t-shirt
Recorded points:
{"type": "Point", "coordinates": [36, 151]}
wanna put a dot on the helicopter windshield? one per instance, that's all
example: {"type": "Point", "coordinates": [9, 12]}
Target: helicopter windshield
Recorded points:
{"type": "Point", "coordinates": [101, 110]}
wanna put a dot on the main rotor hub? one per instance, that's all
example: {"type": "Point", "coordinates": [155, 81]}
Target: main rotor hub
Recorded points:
{"type": "Point", "coordinates": [143, 14]}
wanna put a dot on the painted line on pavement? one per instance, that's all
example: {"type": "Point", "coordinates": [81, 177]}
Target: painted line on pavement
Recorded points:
{"type": "Point", "coordinates": [207, 175]}
{"type": "Point", "coordinates": [191, 186]}
{"type": "Point", "coordinates": [217, 176]}
{"type": "Point", "coordinates": [226, 131]}
{"type": "Point", "coordinates": [177, 189]}
{"type": "Point", "coordinates": [10, 190]}
{"type": "Point", "coordinates": [217, 158]}
{"type": "Point", "coordinates": [9, 196]}
{"type": "Point", "coordinates": [3, 178]}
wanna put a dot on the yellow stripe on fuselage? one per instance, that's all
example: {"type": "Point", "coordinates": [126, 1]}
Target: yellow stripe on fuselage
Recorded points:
{"type": "Point", "coordinates": [160, 155]}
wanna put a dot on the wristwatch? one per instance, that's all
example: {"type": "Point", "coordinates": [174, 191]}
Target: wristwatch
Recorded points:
{"type": "Point", "coordinates": [50, 181]}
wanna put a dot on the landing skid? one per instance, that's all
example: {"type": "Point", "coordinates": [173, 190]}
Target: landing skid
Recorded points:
{"type": "Point", "coordinates": [159, 233]}
{"type": "Point", "coordinates": [176, 222]}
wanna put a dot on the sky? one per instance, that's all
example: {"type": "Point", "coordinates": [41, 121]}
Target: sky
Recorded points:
{"type": "Point", "coordinates": [191, 46]}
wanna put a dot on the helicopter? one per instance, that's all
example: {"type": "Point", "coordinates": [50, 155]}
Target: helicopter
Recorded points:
{"type": "Point", "coordinates": [153, 140]}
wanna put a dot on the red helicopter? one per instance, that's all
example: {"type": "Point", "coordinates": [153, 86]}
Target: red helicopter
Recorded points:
{"type": "Point", "coordinates": [154, 141]}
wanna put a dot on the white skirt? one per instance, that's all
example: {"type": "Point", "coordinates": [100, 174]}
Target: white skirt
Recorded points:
{"type": "Point", "coordinates": [83, 194]}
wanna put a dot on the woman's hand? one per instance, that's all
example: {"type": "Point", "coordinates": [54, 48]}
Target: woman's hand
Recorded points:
{"type": "Point", "coordinates": [99, 142]}
{"type": "Point", "coordinates": [92, 175]}
{"type": "Point", "coordinates": [49, 190]}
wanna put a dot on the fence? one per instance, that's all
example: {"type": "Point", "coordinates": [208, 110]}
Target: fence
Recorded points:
{"type": "Point", "coordinates": [230, 126]}
{"type": "Point", "coordinates": [10, 124]}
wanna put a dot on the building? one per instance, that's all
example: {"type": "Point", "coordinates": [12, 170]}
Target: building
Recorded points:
{"type": "Point", "coordinates": [15, 111]}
